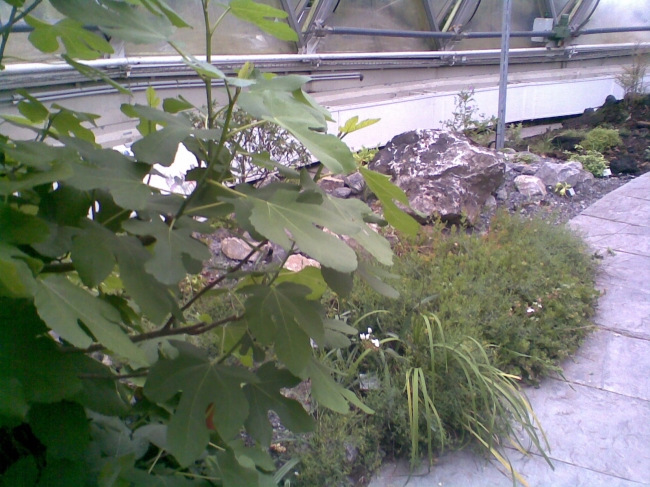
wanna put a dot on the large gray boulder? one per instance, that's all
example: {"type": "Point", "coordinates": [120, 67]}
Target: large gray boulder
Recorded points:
{"type": "Point", "coordinates": [563, 172]}
{"type": "Point", "coordinates": [442, 173]}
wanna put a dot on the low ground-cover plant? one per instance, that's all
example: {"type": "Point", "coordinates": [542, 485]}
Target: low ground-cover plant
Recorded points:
{"type": "Point", "coordinates": [591, 160]}
{"type": "Point", "coordinates": [600, 139]}
{"type": "Point", "coordinates": [511, 303]}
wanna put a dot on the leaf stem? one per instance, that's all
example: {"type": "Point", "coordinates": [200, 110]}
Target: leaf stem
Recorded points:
{"type": "Point", "coordinates": [5, 33]}
{"type": "Point", "coordinates": [7, 27]}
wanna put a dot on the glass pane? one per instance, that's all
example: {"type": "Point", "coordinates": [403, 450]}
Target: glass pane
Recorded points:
{"type": "Point", "coordinates": [488, 18]}
{"type": "Point", "coordinates": [233, 36]}
{"type": "Point", "coordinates": [377, 14]}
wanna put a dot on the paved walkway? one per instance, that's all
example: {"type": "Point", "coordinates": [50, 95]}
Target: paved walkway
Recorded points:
{"type": "Point", "coordinates": [598, 422]}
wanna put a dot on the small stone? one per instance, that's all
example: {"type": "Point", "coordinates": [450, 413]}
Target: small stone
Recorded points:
{"type": "Point", "coordinates": [356, 183]}
{"type": "Point", "coordinates": [351, 453]}
{"type": "Point", "coordinates": [572, 173]}
{"type": "Point", "coordinates": [530, 186]}
{"type": "Point", "coordinates": [236, 249]}
{"type": "Point", "coordinates": [330, 183]}
{"type": "Point", "coordinates": [297, 262]}
{"type": "Point", "coordinates": [502, 194]}
{"type": "Point", "coordinates": [342, 192]}
{"type": "Point", "coordinates": [490, 202]}
{"type": "Point", "coordinates": [508, 150]}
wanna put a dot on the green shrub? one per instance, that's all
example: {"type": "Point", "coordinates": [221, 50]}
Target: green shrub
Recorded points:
{"type": "Point", "coordinates": [600, 139]}
{"type": "Point", "coordinates": [484, 286]}
{"type": "Point", "coordinates": [516, 300]}
{"type": "Point", "coordinates": [591, 160]}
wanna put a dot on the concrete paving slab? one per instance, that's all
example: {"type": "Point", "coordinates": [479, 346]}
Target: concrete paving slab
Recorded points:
{"type": "Point", "coordinates": [467, 469]}
{"type": "Point", "coordinates": [598, 421]}
{"type": "Point", "coordinates": [642, 182]}
{"type": "Point", "coordinates": [625, 310]}
{"type": "Point", "coordinates": [640, 193]}
{"type": "Point", "coordinates": [619, 207]}
{"type": "Point", "coordinates": [608, 235]}
{"type": "Point", "coordinates": [595, 429]}
{"type": "Point", "coordinates": [631, 269]}
{"type": "Point", "coordinates": [587, 365]}
{"type": "Point", "coordinates": [627, 366]}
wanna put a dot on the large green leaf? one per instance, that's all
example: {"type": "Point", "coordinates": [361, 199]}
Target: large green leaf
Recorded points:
{"type": "Point", "coordinates": [387, 192]}
{"type": "Point", "coordinates": [340, 282]}
{"type": "Point", "coordinates": [31, 108]}
{"type": "Point", "coordinates": [63, 473]}
{"type": "Point", "coordinates": [154, 298]}
{"type": "Point", "coordinates": [160, 147]}
{"type": "Point", "coordinates": [206, 388]}
{"type": "Point", "coordinates": [22, 473]}
{"type": "Point", "coordinates": [92, 256]}
{"type": "Point", "coordinates": [118, 19]}
{"type": "Point", "coordinates": [274, 211]}
{"type": "Point", "coordinates": [78, 42]}
{"type": "Point", "coordinates": [29, 358]}
{"type": "Point", "coordinates": [110, 170]}
{"type": "Point", "coordinates": [310, 276]}
{"type": "Point", "coordinates": [265, 17]}
{"type": "Point", "coordinates": [231, 472]}
{"type": "Point", "coordinates": [328, 392]}
{"type": "Point", "coordinates": [57, 172]}
{"type": "Point", "coordinates": [284, 316]}
{"type": "Point", "coordinates": [354, 211]}
{"type": "Point", "coordinates": [372, 276]}
{"type": "Point", "coordinates": [62, 427]}
{"type": "Point", "coordinates": [328, 149]}
{"type": "Point", "coordinates": [62, 305]}
{"type": "Point", "coordinates": [17, 227]}
{"type": "Point", "coordinates": [17, 272]}
{"type": "Point", "coordinates": [271, 100]}
{"type": "Point", "coordinates": [265, 396]}
{"type": "Point", "coordinates": [100, 392]}
{"type": "Point", "coordinates": [38, 155]}
{"type": "Point", "coordinates": [95, 74]}
{"type": "Point", "coordinates": [172, 244]}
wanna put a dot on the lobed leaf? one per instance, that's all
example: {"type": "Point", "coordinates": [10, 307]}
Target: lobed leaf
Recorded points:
{"type": "Point", "coordinates": [386, 191]}
{"type": "Point", "coordinates": [265, 396]}
{"type": "Point", "coordinates": [62, 305]}
{"type": "Point", "coordinates": [204, 384]}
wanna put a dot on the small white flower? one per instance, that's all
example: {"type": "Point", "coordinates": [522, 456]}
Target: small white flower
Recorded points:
{"type": "Point", "coordinates": [369, 330]}
{"type": "Point", "coordinates": [375, 342]}
{"type": "Point", "coordinates": [539, 305]}
{"type": "Point", "coordinates": [363, 336]}
{"type": "Point", "coordinates": [530, 310]}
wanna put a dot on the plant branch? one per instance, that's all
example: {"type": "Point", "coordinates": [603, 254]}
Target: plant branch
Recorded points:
{"type": "Point", "coordinates": [197, 329]}
{"type": "Point", "coordinates": [5, 34]}
{"type": "Point", "coordinates": [214, 283]}
{"type": "Point", "coordinates": [142, 373]}
{"type": "Point", "coordinates": [5, 29]}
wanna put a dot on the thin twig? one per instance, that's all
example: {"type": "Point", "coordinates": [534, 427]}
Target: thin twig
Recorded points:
{"type": "Point", "coordinates": [197, 329]}
{"type": "Point", "coordinates": [197, 296]}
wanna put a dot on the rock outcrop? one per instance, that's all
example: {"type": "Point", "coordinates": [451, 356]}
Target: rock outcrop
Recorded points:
{"type": "Point", "coordinates": [442, 173]}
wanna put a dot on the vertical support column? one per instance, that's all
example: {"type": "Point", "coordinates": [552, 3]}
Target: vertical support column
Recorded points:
{"type": "Point", "coordinates": [293, 22]}
{"type": "Point", "coordinates": [431, 19]}
{"type": "Point", "coordinates": [503, 73]}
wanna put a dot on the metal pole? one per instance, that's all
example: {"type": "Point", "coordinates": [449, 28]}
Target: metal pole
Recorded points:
{"type": "Point", "coordinates": [503, 73]}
